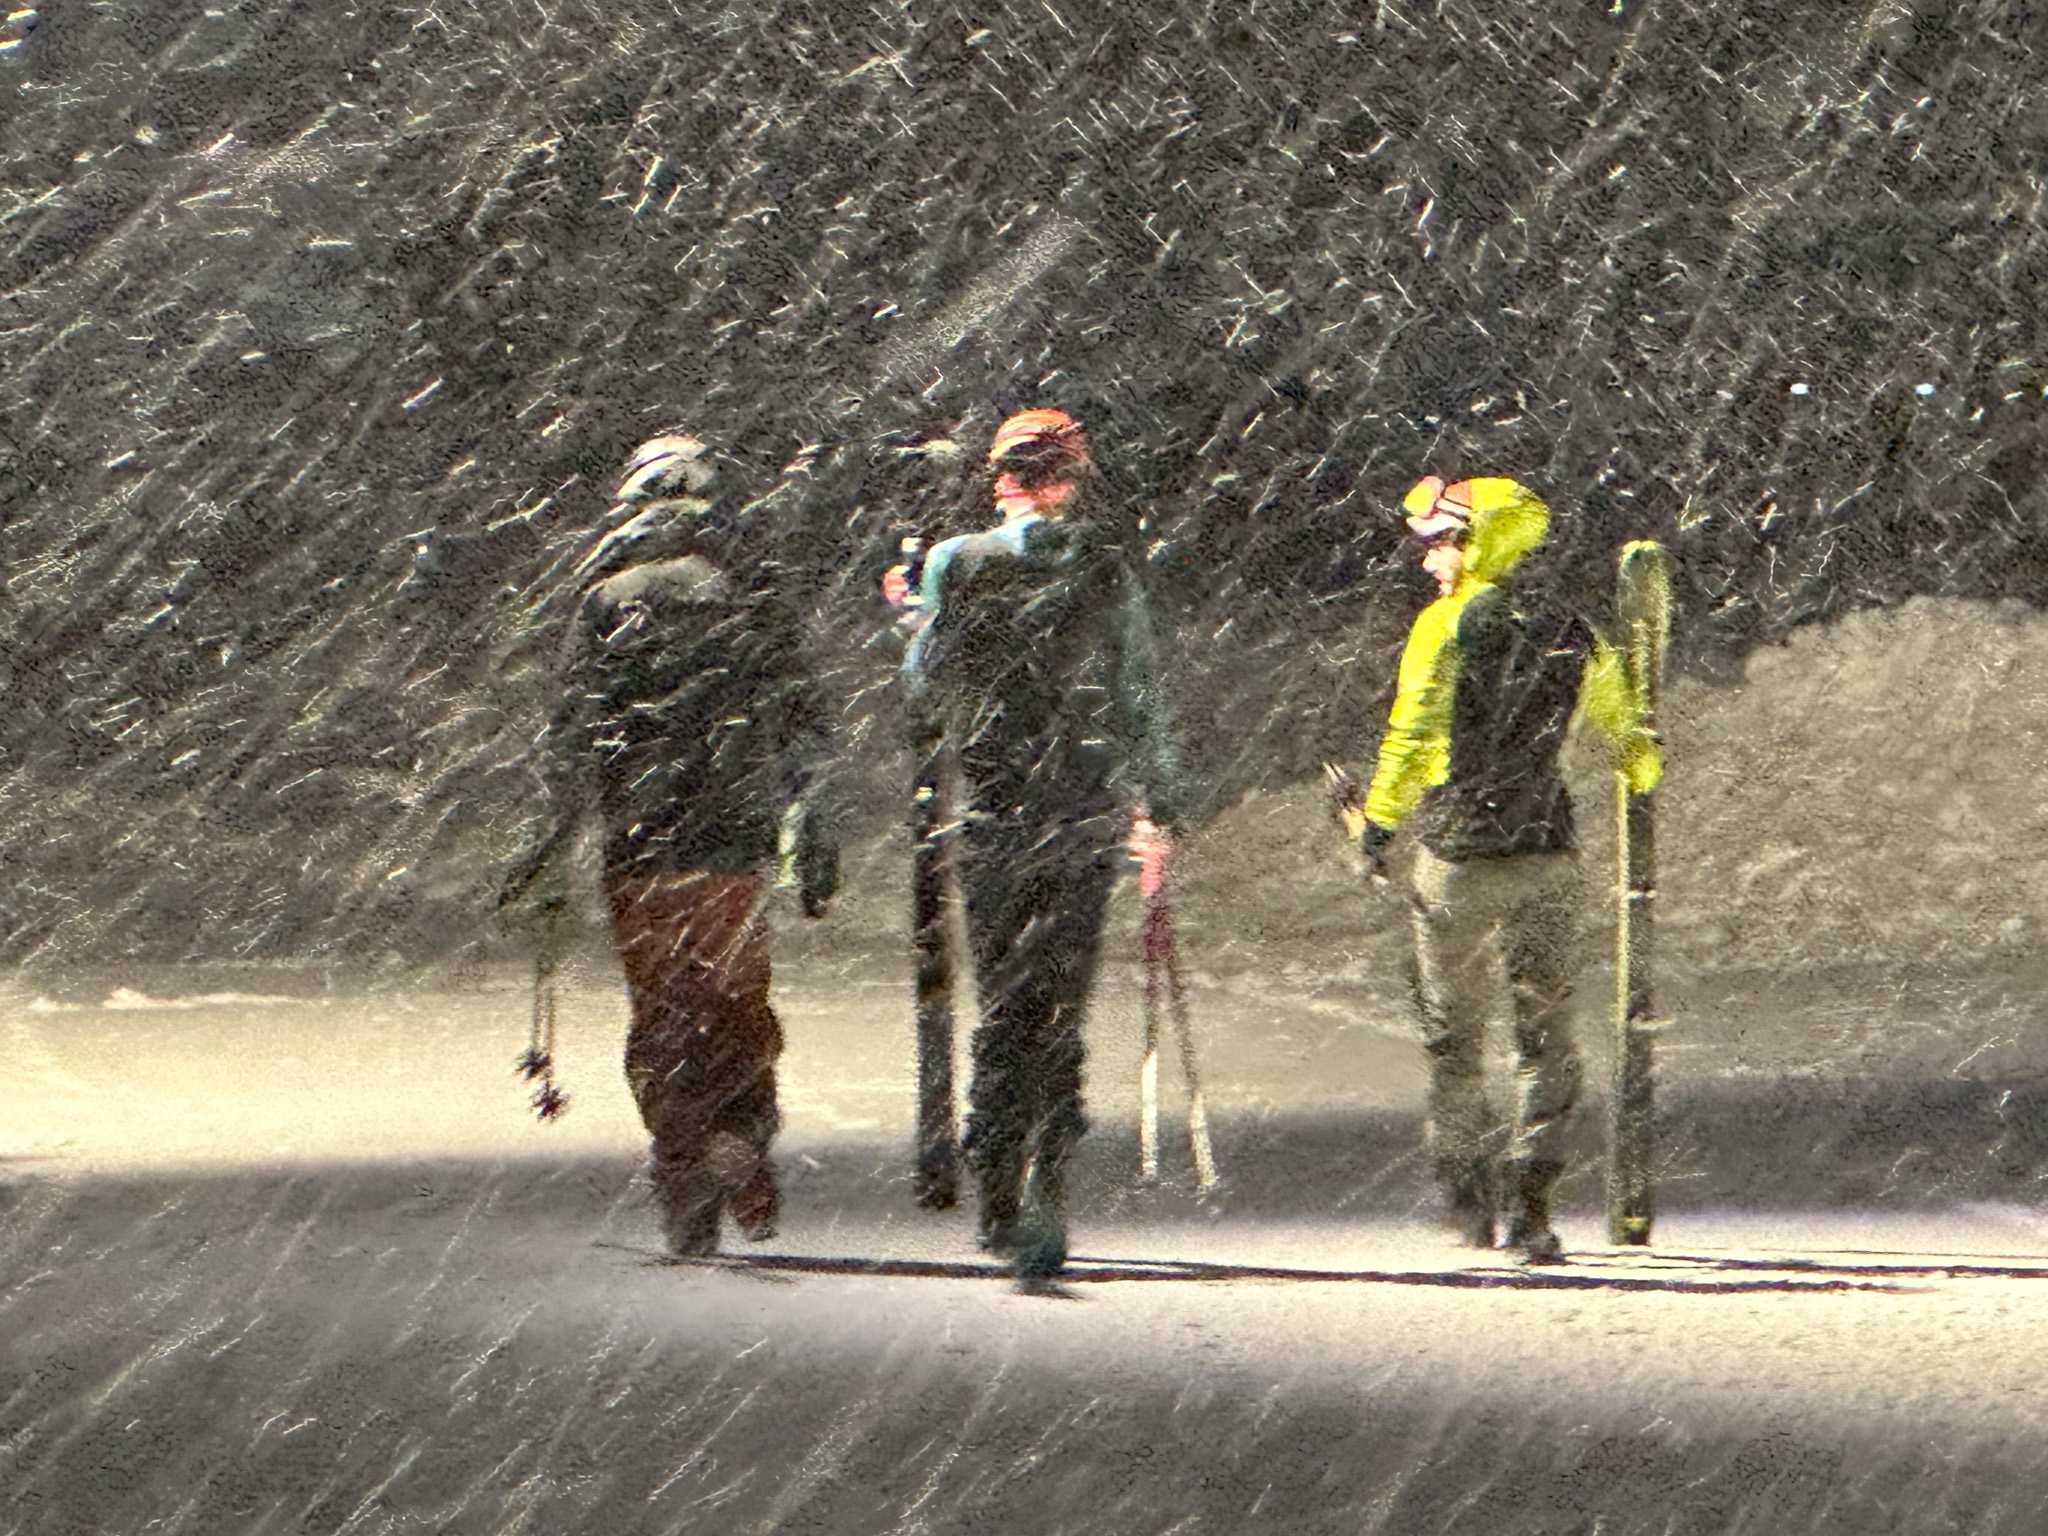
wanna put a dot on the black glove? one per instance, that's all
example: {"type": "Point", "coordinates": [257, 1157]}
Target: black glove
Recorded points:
{"type": "Point", "coordinates": [1372, 843]}
{"type": "Point", "coordinates": [1346, 793]}
{"type": "Point", "coordinates": [532, 899]}
{"type": "Point", "coordinates": [815, 862]}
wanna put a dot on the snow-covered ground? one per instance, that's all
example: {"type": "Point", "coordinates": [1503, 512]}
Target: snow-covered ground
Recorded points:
{"type": "Point", "coordinates": [281, 1256]}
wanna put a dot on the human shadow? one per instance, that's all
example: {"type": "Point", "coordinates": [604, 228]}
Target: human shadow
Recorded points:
{"type": "Point", "coordinates": [1851, 1142]}
{"type": "Point", "coordinates": [1927, 1266]}
{"type": "Point", "coordinates": [1093, 1270]}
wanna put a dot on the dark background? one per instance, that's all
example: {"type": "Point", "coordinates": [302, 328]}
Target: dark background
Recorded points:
{"type": "Point", "coordinates": [325, 328]}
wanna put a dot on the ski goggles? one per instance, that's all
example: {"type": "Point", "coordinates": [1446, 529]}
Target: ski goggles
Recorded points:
{"type": "Point", "coordinates": [1436, 537]}
{"type": "Point", "coordinates": [1438, 513]}
{"type": "Point", "coordinates": [1035, 470]}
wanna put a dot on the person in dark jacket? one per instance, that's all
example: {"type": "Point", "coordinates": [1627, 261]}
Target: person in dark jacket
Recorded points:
{"type": "Point", "coordinates": [688, 723]}
{"type": "Point", "coordinates": [1469, 762]}
{"type": "Point", "coordinates": [1037, 660]}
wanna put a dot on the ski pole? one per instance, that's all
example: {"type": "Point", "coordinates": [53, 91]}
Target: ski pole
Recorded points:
{"type": "Point", "coordinates": [1162, 966]}
{"type": "Point", "coordinates": [1644, 604]}
{"type": "Point", "coordinates": [1148, 1065]}
{"type": "Point", "coordinates": [549, 1101]}
{"type": "Point", "coordinates": [1184, 1027]}
{"type": "Point", "coordinates": [937, 1115]}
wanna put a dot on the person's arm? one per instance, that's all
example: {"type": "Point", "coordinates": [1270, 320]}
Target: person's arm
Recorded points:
{"type": "Point", "coordinates": [809, 766]}
{"type": "Point", "coordinates": [930, 590]}
{"type": "Point", "coordinates": [1413, 753]}
{"type": "Point", "coordinates": [1150, 720]}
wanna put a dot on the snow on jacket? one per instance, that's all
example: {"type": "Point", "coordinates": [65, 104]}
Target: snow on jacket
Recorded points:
{"type": "Point", "coordinates": [689, 719]}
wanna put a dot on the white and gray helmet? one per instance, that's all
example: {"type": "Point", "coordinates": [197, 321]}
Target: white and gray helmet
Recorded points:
{"type": "Point", "coordinates": [672, 467]}
{"type": "Point", "coordinates": [665, 467]}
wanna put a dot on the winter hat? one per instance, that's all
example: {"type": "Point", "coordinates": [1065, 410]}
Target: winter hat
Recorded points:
{"type": "Point", "coordinates": [1046, 442]}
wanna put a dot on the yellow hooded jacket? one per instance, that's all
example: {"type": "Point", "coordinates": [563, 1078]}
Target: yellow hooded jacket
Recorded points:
{"type": "Point", "coordinates": [1514, 704]}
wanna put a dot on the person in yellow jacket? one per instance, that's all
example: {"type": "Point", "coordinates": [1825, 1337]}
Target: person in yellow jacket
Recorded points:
{"type": "Point", "coordinates": [1488, 684]}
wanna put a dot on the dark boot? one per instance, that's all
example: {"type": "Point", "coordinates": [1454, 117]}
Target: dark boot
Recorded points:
{"type": "Point", "coordinates": [1040, 1250]}
{"type": "Point", "coordinates": [691, 1200]}
{"type": "Point", "coordinates": [938, 1179]}
{"type": "Point", "coordinates": [746, 1183]}
{"type": "Point", "coordinates": [1471, 1200]}
{"type": "Point", "coordinates": [1001, 1181]}
{"type": "Point", "coordinates": [756, 1205]}
{"type": "Point", "coordinates": [1530, 1237]}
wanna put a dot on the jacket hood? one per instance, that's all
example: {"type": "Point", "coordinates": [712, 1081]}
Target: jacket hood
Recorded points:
{"type": "Point", "coordinates": [644, 531]}
{"type": "Point", "coordinates": [1509, 521]}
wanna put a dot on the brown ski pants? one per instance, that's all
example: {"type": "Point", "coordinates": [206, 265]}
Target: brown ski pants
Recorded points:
{"type": "Point", "coordinates": [702, 1045]}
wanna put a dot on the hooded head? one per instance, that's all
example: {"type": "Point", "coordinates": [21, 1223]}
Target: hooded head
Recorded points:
{"type": "Point", "coordinates": [670, 464]}
{"type": "Point", "coordinates": [662, 499]}
{"type": "Point", "coordinates": [1494, 522]}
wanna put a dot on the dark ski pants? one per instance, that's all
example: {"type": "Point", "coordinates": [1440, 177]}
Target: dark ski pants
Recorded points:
{"type": "Point", "coordinates": [1035, 908]}
{"type": "Point", "coordinates": [702, 1045]}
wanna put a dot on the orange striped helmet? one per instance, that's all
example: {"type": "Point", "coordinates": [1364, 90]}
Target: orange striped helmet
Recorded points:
{"type": "Point", "coordinates": [1040, 445]}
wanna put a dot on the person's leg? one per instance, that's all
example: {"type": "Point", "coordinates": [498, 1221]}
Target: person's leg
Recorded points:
{"type": "Point", "coordinates": [1540, 940]}
{"type": "Point", "coordinates": [1454, 992]}
{"type": "Point", "coordinates": [749, 1112]}
{"type": "Point", "coordinates": [996, 886]}
{"type": "Point", "coordinates": [1064, 945]}
{"type": "Point", "coordinates": [657, 1048]}
{"type": "Point", "coordinates": [701, 1051]}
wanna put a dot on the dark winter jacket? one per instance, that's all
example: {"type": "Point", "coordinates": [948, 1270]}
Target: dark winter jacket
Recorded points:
{"type": "Point", "coordinates": [689, 720]}
{"type": "Point", "coordinates": [1039, 663]}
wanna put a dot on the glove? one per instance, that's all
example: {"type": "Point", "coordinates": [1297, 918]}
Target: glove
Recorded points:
{"type": "Point", "coordinates": [1151, 847]}
{"type": "Point", "coordinates": [1347, 799]}
{"type": "Point", "coordinates": [810, 859]}
{"type": "Point", "coordinates": [532, 901]}
{"type": "Point", "coordinates": [1372, 843]}
{"type": "Point", "coordinates": [817, 875]}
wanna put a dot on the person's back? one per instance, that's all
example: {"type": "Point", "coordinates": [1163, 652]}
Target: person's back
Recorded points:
{"type": "Point", "coordinates": [1034, 672]}
{"type": "Point", "coordinates": [693, 712]}
{"type": "Point", "coordinates": [1039, 660]}
{"type": "Point", "coordinates": [1505, 791]}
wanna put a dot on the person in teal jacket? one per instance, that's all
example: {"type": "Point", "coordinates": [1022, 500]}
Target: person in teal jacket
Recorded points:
{"type": "Point", "coordinates": [1036, 660]}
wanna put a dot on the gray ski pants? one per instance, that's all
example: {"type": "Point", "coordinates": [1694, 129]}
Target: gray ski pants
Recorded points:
{"type": "Point", "coordinates": [1472, 920]}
